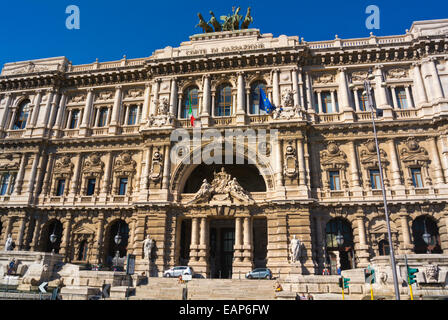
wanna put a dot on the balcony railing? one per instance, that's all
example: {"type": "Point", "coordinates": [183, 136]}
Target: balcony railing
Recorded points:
{"type": "Point", "coordinates": [130, 129]}
{"type": "Point", "coordinates": [14, 134]}
{"type": "Point", "coordinates": [224, 121]}
{"type": "Point", "coordinates": [70, 133]}
{"type": "Point", "coordinates": [261, 118]}
{"type": "Point", "coordinates": [100, 131]}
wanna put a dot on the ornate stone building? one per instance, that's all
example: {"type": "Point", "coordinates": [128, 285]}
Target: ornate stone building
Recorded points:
{"type": "Point", "coordinates": [86, 152]}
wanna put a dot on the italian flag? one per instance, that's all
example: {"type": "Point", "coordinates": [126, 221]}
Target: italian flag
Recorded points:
{"type": "Point", "coordinates": [190, 111]}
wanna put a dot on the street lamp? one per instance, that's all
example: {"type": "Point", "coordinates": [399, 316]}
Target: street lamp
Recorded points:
{"type": "Point", "coordinates": [53, 238]}
{"type": "Point", "coordinates": [117, 240]}
{"type": "Point", "coordinates": [426, 236]}
{"type": "Point", "coordinates": [370, 104]}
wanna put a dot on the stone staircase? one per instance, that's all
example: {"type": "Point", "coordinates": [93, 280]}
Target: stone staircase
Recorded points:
{"type": "Point", "coordinates": [205, 289]}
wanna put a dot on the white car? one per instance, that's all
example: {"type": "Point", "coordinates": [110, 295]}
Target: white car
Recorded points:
{"type": "Point", "coordinates": [178, 271]}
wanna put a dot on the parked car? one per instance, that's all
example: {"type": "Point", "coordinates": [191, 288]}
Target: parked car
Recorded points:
{"type": "Point", "coordinates": [178, 271]}
{"type": "Point", "coordinates": [259, 273]}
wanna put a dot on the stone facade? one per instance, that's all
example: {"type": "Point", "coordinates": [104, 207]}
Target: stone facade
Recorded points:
{"type": "Point", "coordinates": [86, 151]}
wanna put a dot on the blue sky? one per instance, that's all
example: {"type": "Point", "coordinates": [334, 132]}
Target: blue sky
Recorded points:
{"type": "Point", "coordinates": [31, 29]}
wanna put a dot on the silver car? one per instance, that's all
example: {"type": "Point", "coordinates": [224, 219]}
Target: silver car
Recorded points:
{"type": "Point", "coordinates": [178, 271]}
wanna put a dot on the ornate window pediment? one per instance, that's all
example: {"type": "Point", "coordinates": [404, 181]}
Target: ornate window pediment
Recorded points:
{"type": "Point", "coordinates": [333, 159]}
{"type": "Point", "coordinates": [397, 73]}
{"type": "Point", "coordinates": [93, 166]}
{"type": "Point", "coordinates": [369, 160]}
{"type": "Point", "coordinates": [124, 165]}
{"type": "Point", "coordinates": [323, 78]}
{"type": "Point", "coordinates": [414, 156]}
{"type": "Point", "coordinates": [63, 167]}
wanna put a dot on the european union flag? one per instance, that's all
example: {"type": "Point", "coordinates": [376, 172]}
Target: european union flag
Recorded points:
{"type": "Point", "coordinates": [265, 104]}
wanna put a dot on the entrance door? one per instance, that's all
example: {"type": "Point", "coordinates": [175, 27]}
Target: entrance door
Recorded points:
{"type": "Point", "coordinates": [228, 241]}
{"type": "Point", "coordinates": [222, 241]}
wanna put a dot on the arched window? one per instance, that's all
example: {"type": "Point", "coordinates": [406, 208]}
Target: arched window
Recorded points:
{"type": "Point", "coordinates": [421, 225]}
{"type": "Point", "coordinates": [224, 101]}
{"type": "Point", "coordinates": [255, 97]}
{"type": "Point", "coordinates": [383, 248]}
{"type": "Point", "coordinates": [334, 226]}
{"type": "Point", "coordinates": [22, 115]}
{"type": "Point", "coordinates": [112, 247]}
{"type": "Point", "coordinates": [53, 226]}
{"type": "Point", "coordinates": [190, 99]}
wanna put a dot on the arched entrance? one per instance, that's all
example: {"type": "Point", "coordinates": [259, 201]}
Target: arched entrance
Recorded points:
{"type": "Point", "coordinates": [53, 226]}
{"type": "Point", "coordinates": [116, 227]}
{"type": "Point", "coordinates": [339, 245]}
{"type": "Point", "coordinates": [426, 225]}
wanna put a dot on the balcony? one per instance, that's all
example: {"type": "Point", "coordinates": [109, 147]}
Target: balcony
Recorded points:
{"type": "Point", "coordinates": [70, 133]}
{"type": "Point", "coordinates": [100, 131]}
{"type": "Point", "coordinates": [259, 118]}
{"type": "Point", "coordinates": [15, 134]}
{"type": "Point", "coordinates": [224, 121]}
{"type": "Point", "coordinates": [130, 129]}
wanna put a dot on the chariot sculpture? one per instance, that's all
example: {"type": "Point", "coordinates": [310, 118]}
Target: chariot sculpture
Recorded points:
{"type": "Point", "coordinates": [231, 22]}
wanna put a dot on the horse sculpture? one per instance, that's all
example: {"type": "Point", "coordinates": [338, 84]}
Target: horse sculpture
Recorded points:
{"type": "Point", "coordinates": [214, 22]}
{"type": "Point", "coordinates": [204, 25]}
{"type": "Point", "coordinates": [247, 20]}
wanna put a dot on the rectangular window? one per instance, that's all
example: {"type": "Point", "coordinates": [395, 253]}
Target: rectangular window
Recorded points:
{"type": "Point", "coordinates": [401, 98]}
{"type": "Point", "coordinates": [335, 183]}
{"type": "Point", "coordinates": [60, 187]}
{"type": "Point", "coordinates": [4, 184]}
{"type": "Point", "coordinates": [74, 120]}
{"type": "Point", "coordinates": [417, 177]}
{"type": "Point", "coordinates": [327, 103]}
{"type": "Point", "coordinates": [375, 180]}
{"type": "Point", "coordinates": [362, 99]}
{"type": "Point", "coordinates": [123, 186]}
{"type": "Point", "coordinates": [102, 117]}
{"type": "Point", "coordinates": [91, 186]}
{"type": "Point", "coordinates": [132, 116]}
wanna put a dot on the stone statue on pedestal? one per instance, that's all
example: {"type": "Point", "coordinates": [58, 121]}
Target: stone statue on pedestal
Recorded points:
{"type": "Point", "coordinates": [9, 244]}
{"type": "Point", "coordinates": [148, 244]}
{"type": "Point", "coordinates": [294, 249]}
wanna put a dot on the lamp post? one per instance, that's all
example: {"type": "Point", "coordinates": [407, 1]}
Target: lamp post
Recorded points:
{"type": "Point", "coordinates": [426, 237]}
{"type": "Point", "coordinates": [53, 238]}
{"type": "Point", "coordinates": [370, 104]}
{"type": "Point", "coordinates": [117, 240]}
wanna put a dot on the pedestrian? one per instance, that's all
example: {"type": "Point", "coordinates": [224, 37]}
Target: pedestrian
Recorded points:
{"type": "Point", "coordinates": [302, 297]}
{"type": "Point", "coordinates": [278, 287]}
{"type": "Point", "coordinates": [421, 297]}
{"type": "Point", "coordinates": [310, 297]}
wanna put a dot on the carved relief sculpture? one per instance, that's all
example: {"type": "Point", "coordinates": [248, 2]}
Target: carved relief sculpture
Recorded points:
{"type": "Point", "coordinates": [333, 159]}
{"type": "Point", "coordinates": [414, 156]}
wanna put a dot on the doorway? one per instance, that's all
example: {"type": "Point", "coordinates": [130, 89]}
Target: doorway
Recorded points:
{"type": "Point", "coordinates": [222, 241]}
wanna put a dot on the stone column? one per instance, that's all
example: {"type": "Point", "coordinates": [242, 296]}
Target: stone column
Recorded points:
{"type": "Point", "coordinates": [145, 172]}
{"type": "Point", "coordinates": [343, 91]}
{"type": "Point", "coordinates": [438, 173]}
{"type": "Point", "coordinates": [155, 94]}
{"type": "Point", "coordinates": [32, 179]}
{"type": "Point", "coordinates": [275, 87]}
{"type": "Point", "coordinates": [394, 97]}
{"type": "Point", "coordinates": [238, 247]}
{"type": "Point", "coordinates": [295, 86]}
{"type": "Point", "coordinates": [407, 245]}
{"type": "Point", "coordinates": [206, 98]}
{"type": "Point", "coordinates": [363, 253]}
{"type": "Point", "coordinates": [354, 165]}
{"type": "Point", "coordinates": [113, 126]}
{"type": "Point", "coordinates": [333, 101]}
{"type": "Point", "coordinates": [194, 242]}
{"type": "Point", "coordinates": [381, 96]}
{"type": "Point", "coordinates": [309, 92]}
{"type": "Point", "coordinates": [87, 111]}
{"type": "Point", "coordinates": [320, 244]}
{"type": "Point", "coordinates": [166, 168]}
{"type": "Point", "coordinates": [66, 239]}
{"type": "Point", "coordinates": [278, 162]}
{"type": "Point", "coordinates": [4, 116]}
{"type": "Point", "coordinates": [99, 237]}
{"type": "Point", "coordinates": [12, 120]}
{"type": "Point", "coordinates": [54, 109]}
{"type": "Point", "coordinates": [409, 97]}
{"type": "Point", "coordinates": [146, 103]}
{"type": "Point", "coordinates": [35, 110]}
{"type": "Point", "coordinates": [419, 85]}
{"type": "Point", "coordinates": [61, 112]}
{"type": "Point", "coordinates": [247, 241]}
{"type": "Point", "coordinates": [319, 102]}
{"type": "Point", "coordinates": [173, 97]}
{"type": "Point", "coordinates": [203, 240]}
{"type": "Point", "coordinates": [105, 187]}
{"type": "Point", "coordinates": [9, 225]}
{"type": "Point", "coordinates": [74, 187]}
{"type": "Point", "coordinates": [394, 166]}
{"type": "Point", "coordinates": [22, 221]}
{"type": "Point", "coordinates": [20, 174]}
{"type": "Point", "coordinates": [47, 174]}
{"type": "Point", "coordinates": [35, 241]}
{"type": "Point", "coordinates": [437, 87]}
{"type": "Point", "coordinates": [301, 161]}
{"type": "Point", "coordinates": [355, 95]}
{"type": "Point", "coordinates": [301, 89]}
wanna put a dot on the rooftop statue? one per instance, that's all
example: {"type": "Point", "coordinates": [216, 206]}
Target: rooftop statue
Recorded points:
{"type": "Point", "coordinates": [204, 25]}
{"type": "Point", "coordinates": [214, 22]}
{"type": "Point", "coordinates": [229, 22]}
{"type": "Point", "coordinates": [247, 20]}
